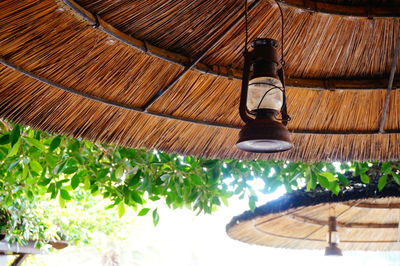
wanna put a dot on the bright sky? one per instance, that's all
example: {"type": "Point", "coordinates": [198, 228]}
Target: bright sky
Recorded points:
{"type": "Point", "coordinates": [183, 239]}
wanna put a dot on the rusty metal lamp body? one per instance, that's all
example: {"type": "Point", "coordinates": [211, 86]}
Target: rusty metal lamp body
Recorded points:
{"type": "Point", "coordinates": [333, 239]}
{"type": "Point", "coordinates": [262, 99]}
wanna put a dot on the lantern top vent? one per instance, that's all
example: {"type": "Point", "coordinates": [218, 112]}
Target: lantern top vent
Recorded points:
{"type": "Point", "coordinates": [259, 42]}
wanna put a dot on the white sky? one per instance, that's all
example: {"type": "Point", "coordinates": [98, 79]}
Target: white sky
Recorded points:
{"type": "Point", "coordinates": [183, 239]}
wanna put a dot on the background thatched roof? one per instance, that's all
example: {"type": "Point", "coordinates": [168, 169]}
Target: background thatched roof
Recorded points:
{"type": "Point", "coordinates": [94, 69]}
{"type": "Point", "coordinates": [367, 219]}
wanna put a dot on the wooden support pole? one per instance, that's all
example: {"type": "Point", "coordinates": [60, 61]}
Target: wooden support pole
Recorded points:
{"type": "Point", "coordinates": [19, 260]}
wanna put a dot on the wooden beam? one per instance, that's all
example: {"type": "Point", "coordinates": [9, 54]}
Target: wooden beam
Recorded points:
{"type": "Point", "coordinates": [220, 71]}
{"type": "Point", "coordinates": [313, 221]}
{"type": "Point", "coordinates": [29, 248]}
{"type": "Point", "coordinates": [390, 85]}
{"type": "Point", "coordinates": [200, 56]}
{"type": "Point", "coordinates": [371, 11]}
{"type": "Point", "coordinates": [375, 205]}
{"type": "Point", "coordinates": [280, 216]}
{"type": "Point", "coordinates": [319, 240]}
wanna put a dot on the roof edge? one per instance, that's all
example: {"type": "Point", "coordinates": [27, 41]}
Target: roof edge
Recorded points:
{"type": "Point", "coordinates": [301, 198]}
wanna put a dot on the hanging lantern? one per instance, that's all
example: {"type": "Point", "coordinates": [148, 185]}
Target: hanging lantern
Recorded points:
{"type": "Point", "coordinates": [333, 239]}
{"type": "Point", "coordinates": [262, 100]}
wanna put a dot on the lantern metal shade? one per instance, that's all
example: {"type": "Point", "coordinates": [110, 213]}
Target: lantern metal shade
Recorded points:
{"type": "Point", "coordinates": [263, 133]}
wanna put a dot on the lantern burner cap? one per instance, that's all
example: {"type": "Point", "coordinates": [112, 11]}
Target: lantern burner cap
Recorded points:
{"type": "Point", "coordinates": [264, 134]}
{"type": "Point", "coordinates": [264, 42]}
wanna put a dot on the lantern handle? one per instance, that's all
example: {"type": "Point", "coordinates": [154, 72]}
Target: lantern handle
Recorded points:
{"type": "Point", "coordinates": [285, 116]}
{"type": "Point", "coordinates": [245, 83]}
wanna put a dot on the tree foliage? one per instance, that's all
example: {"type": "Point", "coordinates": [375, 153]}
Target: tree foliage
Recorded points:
{"type": "Point", "coordinates": [35, 166]}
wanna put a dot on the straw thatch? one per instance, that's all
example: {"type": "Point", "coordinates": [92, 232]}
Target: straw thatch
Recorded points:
{"type": "Point", "coordinates": [367, 219]}
{"type": "Point", "coordinates": [166, 75]}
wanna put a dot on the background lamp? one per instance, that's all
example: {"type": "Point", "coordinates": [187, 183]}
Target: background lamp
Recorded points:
{"type": "Point", "coordinates": [333, 239]}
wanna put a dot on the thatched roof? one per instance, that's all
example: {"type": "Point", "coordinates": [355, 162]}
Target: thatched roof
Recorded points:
{"type": "Point", "coordinates": [166, 74]}
{"type": "Point", "coordinates": [367, 219]}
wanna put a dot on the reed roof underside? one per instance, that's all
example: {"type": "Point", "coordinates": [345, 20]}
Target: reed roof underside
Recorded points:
{"type": "Point", "coordinates": [92, 69]}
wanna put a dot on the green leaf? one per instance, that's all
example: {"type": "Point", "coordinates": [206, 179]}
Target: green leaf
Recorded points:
{"type": "Point", "coordinates": [45, 182]}
{"type": "Point", "coordinates": [156, 217]}
{"type": "Point", "coordinates": [382, 182]}
{"type": "Point", "coordinates": [102, 174]}
{"type": "Point", "coordinates": [36, 166]}
{"type": "Point", "coordinates": [396, 178]}
{"type": "Point", "coordinates": [86, 183]}
{"type": "Point", "coordinates": [196, 179]}
{"type": "Point", "coordinates": [119, 172]}
{"type": "Point", "coordinates": [36, 143]}
{"type": "Point", "coordinates": [14, 135]}
{"type": "Point", "coordinates": [15, 148]}
{"type": "Point", "coordinates": [136, 197]}
{"type": "Point", "coordinates": [323, 181]}
{"type": "Point", "coordinates": [54, 192]}
{"type": "Point", "coordinates": [94, 188]}
{"type": "Point", "coordinates": [329, 176]}
{"type": "Point", "coordinates": [51, 160]}
{"type": "Point", "coordinates": [252, 202]}
{"type": "Point", "coordinates": [75, 181]}
{"type": "Point", "coordinates": [25, 171]}
{"type": "Point", "coordinates": [134, 180]}
{"type": "Point", "coordinates": [74, 146]}
{"type": "Point", "coordinates": [5, 139]}
{"type": "Point", "coordinates": [143, 211]}
{"type": "Point", "coordinates": [61, 202]}
{"type": "Point", "coordinates": [311, 179]}
{"type": "Point", "coordinates": [70, 170]}
{"type": "Point", "coordinates": [386, 168]}
{"type": "Point", "coordinates": [364, 178]}
{"type": "Point", "coordinates": [64, 194]}
{"type": "Point", "coordinates": [164, 177]}
{"type": "Point", "coordinates": [121, 209]}
{"type": "Point", "coordinates": [154, 198]}
{"type": "Point", "coordinates": [335, 188]}
{"type": "Point", "coordinates": [30, 195]}
{"type": "Point", "coordinates": [225, 201]}
{"type": "Point", "coordinates": [343, 179]}
{"type": "Point", "coordinates": [55, 143]}
{"type": "Point", "coordinates": [51, 188]}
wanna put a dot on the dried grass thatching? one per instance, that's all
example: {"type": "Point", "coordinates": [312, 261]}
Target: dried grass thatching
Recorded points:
{"type": "Point", "coordinates": [166, 75]}
{"type": "Point", "coordinates": [366, 220]}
